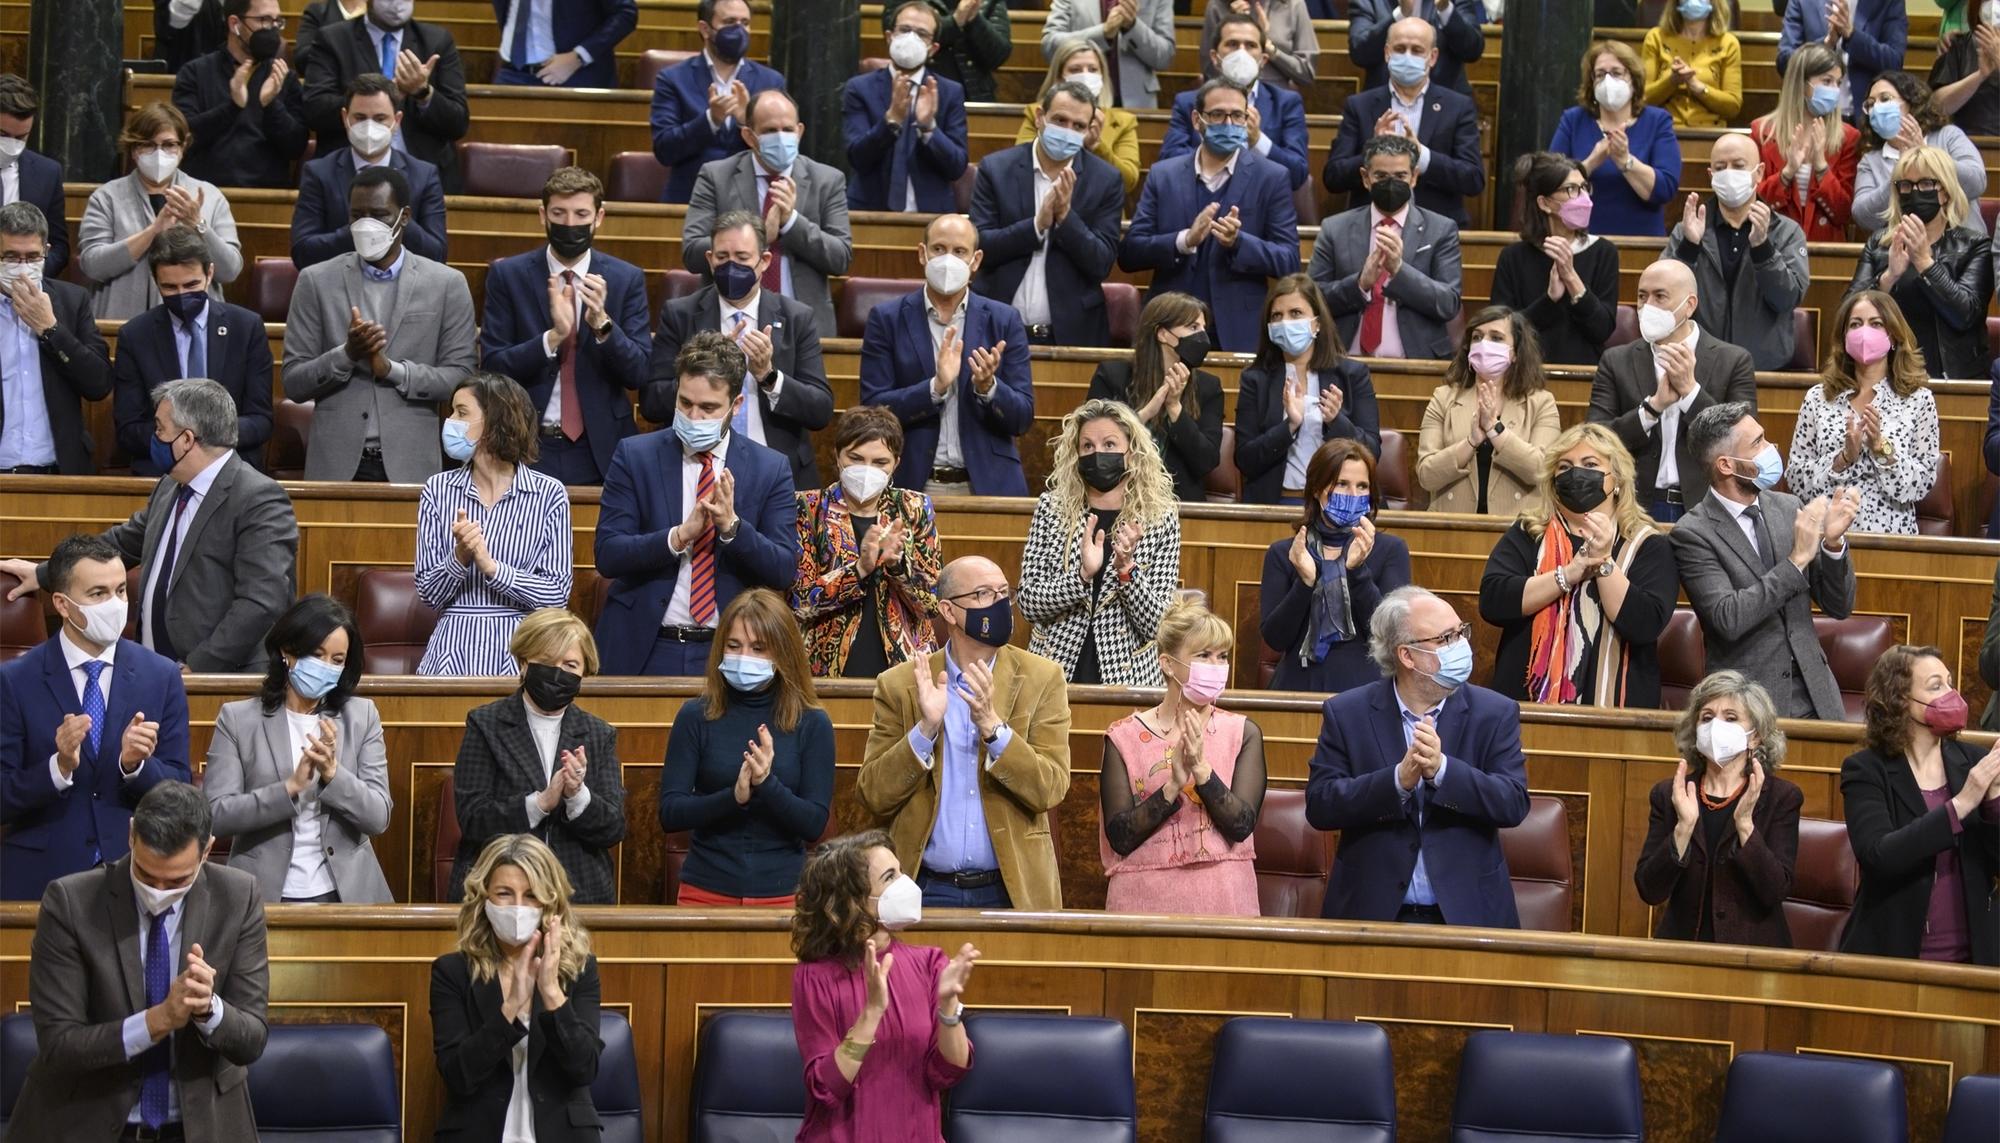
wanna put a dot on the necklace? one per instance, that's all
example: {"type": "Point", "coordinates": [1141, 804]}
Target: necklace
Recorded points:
{"type": "Point", "coordinates": [1718, 803]}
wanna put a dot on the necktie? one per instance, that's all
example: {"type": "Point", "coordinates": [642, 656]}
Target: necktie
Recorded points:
{"type": "Point", "coordinates": [572, 407]}
{"type": "Point", "coordinates": [899, 162]}
{"type": "Point", "coordinates": [517, 54]}
{"type": "Point", "coordinates": [701, 589]}
{"type": "Point", "coordinates": [389, 54]}
{"type": "Point", "coordinates": [93, 704]}
{"type": "Point", "coordinates": [740, 421]}
{"type": "Point", "coordinates": [773, 278]}
{"type": "Point", "coordinates": [1110, 52]}
{"type": "Point", "coordinates": [197, 355]}
{"type": "Point", "coordinates": [155, 1060]}
{"type": "Point", "coordinates": [1378, 301]}
{"type": "Point", "coordinates": [1765, 548]}
{"type": "Point", "coordinates": [170, 544]}
{"type": "Point", "coordinates": [1410, 720]}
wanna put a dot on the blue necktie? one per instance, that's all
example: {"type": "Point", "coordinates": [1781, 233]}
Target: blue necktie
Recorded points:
{"type": "Point", "coordinates": [93, 704]}
{"type": "Point", "coordinates": [155, 1060]}
{"type": "Point", "coordinates": [163, 641]}
{"type": "Point", "coordinates": [905, 154]}
{"type": "Point", "coordinates": [197, 357]}
{"type": "Point", "coordinates": [389, 55]}
{"type": "Point", "coordinates": [740, 422]}
{"type": "Point", "coordinates": [518, 53]}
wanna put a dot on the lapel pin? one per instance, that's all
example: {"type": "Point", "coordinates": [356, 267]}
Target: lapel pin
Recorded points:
{"type": "Point", "coordinates": [222, 331]}
{"type": "Point", "coordinates": [1437, 107]}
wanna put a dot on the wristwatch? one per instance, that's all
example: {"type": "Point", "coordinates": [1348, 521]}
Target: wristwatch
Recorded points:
{"type": "Point", "coordinates": [604, 330]}
{"type": "Point", "coordinates": [1605, 569]}
{"type": "Point", "coordinates": [992, 736]}
{"type": "Point", "coordinates": [1628, 164]}
{"type": "Point", "coordinates": [957, 1014]}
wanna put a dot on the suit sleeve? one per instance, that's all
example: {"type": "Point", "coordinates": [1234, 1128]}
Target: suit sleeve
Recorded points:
{"type": "Point", "coordinates": [361, 793]}
{"type": "Point", "coordinates": [601, 43]}
{"type": "Point", "coordinates": [1880, 47]}
{"type": "Point", "coordinates": [468, 1053]}
{"type": "Point", "coordinates": [312, 243]}
{"type": "Point", "coordinates": [698, 225]}
{"type": "Point", "coordinates": [624, 355]}
{"type": "Point", "coordinates": [571, 1031]}
{"type": "Point", "coordinates": [316, 362]}
{"type": "Point", "coordinates": [945, 149]}
{"type": "Point", "coordinates": [433, 381]}
{"type": "Point", "coordinates": [806, 398]}
{"type": "Point", "coordinates": [869, 134]}
{"type": "Point", "coordinates": [169, 760]}
{"type": "Point", "coordinates": [245, 987]}
{"type": "Point", "coordinates": [890, 773]}
{"type": "Point", "coordinates": [1493, 789]}
{"type": "Point", "coordinates": [1284, 603]}
{"type": "Point", "coordinates": [1766, 862]}
{"type": "Point", "coordinates": [1360, 417]}
{"type": "Point", "coordinates": [1197, 440]}
{"type": "Point", "coordinates": [825, 243]}
{"type": "Point", "coordinates": [1728, 612]}
{"type": "Point", "coordinates": [253, 417]}
{"type": "Point", "coordinates": [1180, 137]}
{"type": "Point", "coordinates": [1434, 295]}
{"type": "Point", "coordinates": [1009, 409]}
{"type": "Point", "coordinates": [483, 811]}
{"type": "Point", "coordinates": [25, 786]}
{"type": "Point", "coordinates": [326, 94]}
{"type": "Point", "coordinates": [1148, 244]}
{"type": "Point", "coordinates": [1033, 770]}
{"type": "Point", "coordinates": [1461, 36]}
{"type": "Point", "coordinates": [1291, 146]}
{"type": "Point", "coordinates": [510, 340]}
{"type": "Point", "coordinates": [55, 210]}
{"type": "Point", "coordinates": [446, 113]}
{"type": "Point", "coordinates": [911, 403]}
{"type": "Point", "coordinates": [233, 805]}
{"type": "Point", "coordinates": [622, 549]}
{"type": "Point", "coordinates": [131, 411]}
{"type": "Point", "coordinates": [1791, 33]}
{"type": "Point", "coordinates": [1259, 446]}
{"type": "Point", "coordinates": [1457, 167]}
{"type": "Point", "coordinates": [602, 823]}
{"type": "Point", "coordinates": [680, 127]}
{"type": "Point", "coordinates": [1052, 584]}
{"type": "Point", "coordinates": [656, 397]}
{"type": "Point", "coordinates": [1368, 33]}
{"type": "Point", "coordinates": [1088, 235]}
{"type": "Point", "coordinates": [1659, 868]}
{"type": "Point", "coordinates": [1343, 791]}
{"type": "Point", "coordinates": [426, 233]}
{"type": "Point", "coordinates": [1632, 432]}
{"type": "Point", "coordinates": [765, 551]}
{"type": "Point", "coordinates": [1278, 254]}
{"type": "Point", "coordinates": [267, 548]}
{"type": "Point", "coordinates": [1002, 240]}
{"type": "Point", "coordinates": [1883, 849]}
{"type": "Point", "coordinates": [1154, 586]}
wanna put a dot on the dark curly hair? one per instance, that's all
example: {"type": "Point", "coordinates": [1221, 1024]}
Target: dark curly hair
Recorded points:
{"type": "Point", "coordinates": [1914, 92]}
{"type": "Point", "coordinates": [511, 433]}
{"type": "Point", "coordinates": [830, 917]}
{"type": "Point", "coordinates": [1886, 710]}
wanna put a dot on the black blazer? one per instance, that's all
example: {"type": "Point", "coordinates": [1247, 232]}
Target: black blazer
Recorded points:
{"type": "Point", "coordinates": [1946, 308]}
{"type": "Point", "coordinates": [1264, 439]}
{"type": "Point", "coordinates": [42, 184]}
{"type": "Point", "coordinates": [1625, 377]}
{"type": "Point", "coordinates": [75, 368]}
{"type": "Point", "coordinates": [1742, 889]}
{"type": "Point", "coordinates": [498, 766]}
{"type": "Point", "coordinates": [474, 1049]}
{"type": "Point", "coordinates": [1190, 446]}
{"type": "Point", "coordinates": [1896, 840]}
{"type": "Point", "coordinates": [239, 358]}
{"type": "Point", "coordinates": [249, 146]}
{"type": "Point", "coordinates": [430, 130]}
{"type": "Point", "coordinates": [1082, 249]}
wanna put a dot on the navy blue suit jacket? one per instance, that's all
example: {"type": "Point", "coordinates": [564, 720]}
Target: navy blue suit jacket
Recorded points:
{"type": "Point", "coordinates": [51, 833]}
{"type": "Point", "coordinates": [607, 372]}
{"type": "Point", "coordinates": [42, 184]}
{"type": "Point", "coordinates": [1230, 280]}
{"type": "Point", "coordinates": [641, 503]}
{"type": "Point", "coordinates": [1449, 127]}
{"type": "Point", "coordinates": [319, 222]}
{"type": "Point", "coordinates": [1483, 789]}
{"type": "Point", "coordinates": [681, 137]}
{"type": "Point", "coordinates": [239, 357]}
{"type": "Point", "coordinates": [898, 365]}
{"type": "Point", "coordinates": [1281, 116]}
{"type": "Point", "coordinates": [871, 144]}
{"type": "Point", "coordinates": [596, 26]}
{"type": "Point", "coordinates": [1082, 249]}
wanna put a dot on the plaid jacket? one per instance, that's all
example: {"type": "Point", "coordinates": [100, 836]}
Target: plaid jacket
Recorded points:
{"type": "Point", "coordinates": [498, 767]}
{"type": "Point", "coordinates": [1124, 616]}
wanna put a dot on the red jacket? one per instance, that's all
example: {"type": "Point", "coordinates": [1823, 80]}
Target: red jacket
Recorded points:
{"type": "Point", "coordinates": [1829, 197]}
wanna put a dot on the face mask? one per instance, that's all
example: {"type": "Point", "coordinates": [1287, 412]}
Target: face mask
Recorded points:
{"type": "Point", "coordinates": [11, 273]}
{"type": "Point", "coordinates": [373, 238]}
{"type": "Point", "coordinates": [264, 44]}
{"type": "Point", "coordinates": [571, 240]}
{"type": "Point", "coordinates": [863, 482]}
{"type": "Point", "coordinates": [1293, 335]}
{"type": "Point", "coordinates": [734, 280]}
{"type": "Point", "coordinates": [550, 687]}
{"type": "Point", "coordinates": [1389, 195]}
{"type": "Point", "coordinates": [1733, 188]}
{"type": "Point", "coordinates": [947, 273]}
{"type": "Point", "coordinates": [1454, 665]}
{"type": "Point", "coordinates": [1204, 682]}
{"type": "Point", "coordinates": [1923, 204]}
{"type": "Point", "coordinates": [1770, 467]}
{"type": "Point", "coordinates": [1193, 348]}
{"type": "Point", "coordinates": [992, 624]}
{"type": "Point", "coordinates": [391, 14]}
{"type": "Point", "coordinates": [103, 622]}
{"type": "Point", "coordinates": [1989, 14]}
{"type": "Point", "coordinates": [730, 43]}
{"type": "Point", "coordinates": [1102, 470]}
{"type": "Point", "coordinates": [1720, 741]}
{"type": "Point", "coordinates": [1867, 344]}
{"type": "Point", "coordinates": [747, 672]}
{"type": "Point", "coordinates": [901, 904]}
{"type": "Point", "coordinates": [10, 150]}
{"type": "Point", "coordinates": [1489, 358]}
{"type": "Point", "coordinates": [1091, 81]}
{"type": "Point", "coordinates": [1408, 69]}
{"type": "Point", "coordinates": [1575, 212]}
{"type": "Point", "coordinates": [698, 436]}
{"type": "Point", "coordinates": [457, 445]}
{"type": "Point", "coordinates": [158, 166]}
{"type": "Point", "coordinates": [1580, 489]}
{"type": "Point", "coordinates": [1613, 93]}
{"type": "Point", "coordinates": [157, 901]}
{"type": "Point", "coordinates": [1823, 100]}
{"type": "Point", "coordinates": [1226, 138]}
{"type": "Point", "coordinates": [1696, 9]}
{"type": "Point", "coordinates": [186, 305]}
{"type": "Point", "coordinates": [1945, 715]}
{"type": "Point", "coordinates": [1345, 509]}
{"type": "Point", "coordinates": [368, 137]}
{"type": "Point", "coordinates": [1656, 323]}
{"type": "Point", "coordinates": [778, 149]}
{"type": "Point", "coordinates": [1886, 119]}
{"type": "Point", "coordinates": [314, 678]}
{"type": "Point", "coordinates": [908, 51]}
{"type": "Point", "coordinates": [162, 454]}
{"type": "Point", "coordinates": [1059, 143]}
{"type": "Point", "coordinates": [1240, 68]}
{"type": "Point", "coordinates": [513, 924]}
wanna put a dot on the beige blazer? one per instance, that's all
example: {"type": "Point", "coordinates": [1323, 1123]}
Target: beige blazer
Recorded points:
{"type": "Point", "coordinates": [1518, 456]}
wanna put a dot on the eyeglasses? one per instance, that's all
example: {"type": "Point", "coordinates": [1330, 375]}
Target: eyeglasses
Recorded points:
{"type": "Point", "coordinates": [1241, 118]}
{"type": "Point", "coordinates": [1462, 631]}
{"type": "Point", "coordinates": [263, 23]}
{"type": "Point", "coordinates": [1570, 190]}
{"type": "Point", "coordinates": [13, 259]}
{"type": "Point", "coordinates": [921, 33]}
{"type": "Point", "coordinates": [162, 148]}
{"type": "Point", "coordinates": [984, 596]}
{"type": "Point", "coordinates": [1602, 75]}
{"type": "Point", "coordinates": [1905, 186]}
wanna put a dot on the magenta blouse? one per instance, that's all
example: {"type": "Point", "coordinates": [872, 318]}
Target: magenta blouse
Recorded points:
{"type": "Point", "coordinates": [1947, 936]}
{"type": "Point", "coordinates": [894, 1098]}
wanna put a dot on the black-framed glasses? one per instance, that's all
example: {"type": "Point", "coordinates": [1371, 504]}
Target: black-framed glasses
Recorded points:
{"type": "Point", "coordinates": [984, 596]}
{"type": "Point", "coordinates": [1905, 186]}
{"type": "Point", "coordinates": [921, 33]}
{"type": "Point", "coordinates": [1241, 118]}
{"type": "Point", "coordinates": [1443, 639]}
{"type": "Point", "coordinates": [264, 23]}
{"type": "Point", "coordinates": [1570, 190]}
{"type": "Point", "coordinates": [12, 258]}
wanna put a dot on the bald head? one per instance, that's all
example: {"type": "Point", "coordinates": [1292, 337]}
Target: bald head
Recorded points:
{"type": "Point", "coordinates": [967, 574]}
{"type": "Point", "coordinates": [1413, 32]}
{"type": "Point", "coordinates": [1668, 284]}
{"type": "Point", "coordinates": [1731, 151]}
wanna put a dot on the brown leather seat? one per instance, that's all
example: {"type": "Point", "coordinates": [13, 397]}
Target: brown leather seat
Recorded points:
{"type": "Point", "coordinates": [859, 295]}
{"type": "Point", "coordinates": [1825, 878]}
{"type": "Point", "coordinates": [1625, 329]}
{"type": "Point", "coordinates": [444, 851]}
{"type": "Point", "coordinates": [1267, 663]}
{"type": "Point", "coordinates": [271, 282]}
{"type": "Point", "coordinates": [508, 170]}
{"type": "Point", "coordinates": [1993, 337]}
{"type": "Point", "coordinates": [1805, 341]}
{"type": "Point", "coordinates": [291, 428]}
{"type": "Point", "coordinates": [872, 63]}
{"type": "Point", "coordinates": [1392, 475]}
{"type": "Point", "coordinates": [1683, 658]}
{"type": "Point", "coordinates": [1121, 312]}
{"type": "Point", "coordinates": [1293, 858]}
{"type": "Point", "coordinates": [1305, 202]}
{"type": "Point", "coordinates": [1538, 862]}
{"type": "Point", "coordinates": [1989, 212]}
{"type": "Point", "coordinates": [135, 582]}
{"type": "Point", "coordinates": [22, 626]}
{"type": "Point", "coordinates": [1936, 514]}
{"type": "Point", "coordinates": [599, 591]}
{"type": "Point", "coordinates": [1224, 484]}
{"type": "Point", "coordinates": [1987, 496]}
{"type": "Point", "coordinates": [656, 60]}
{"type": "Point", "coordinates": [636, 176]}
{"type": "Point", "coordinates": [681, 283]}
{"type": "Point", "coordinates": [961, 188]}
{"type": "Point", "coordinates": [673, 855]}
{"type": "Point", "coordinates": [1852, 645]}
{"type": "Point", "coordinates": [395, 624]}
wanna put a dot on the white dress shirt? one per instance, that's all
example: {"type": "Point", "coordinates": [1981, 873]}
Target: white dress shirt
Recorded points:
{"type": "Point", "coordinates": [541, 31]}
{"type": "Point", "coordinates": [1312, 430]}
{"type": "Point", "coordinates": [10, 183]}
{"type": "Point", "coordinates": [552, 412]}
{"type": "Point", "coordinates": [1737, 513]}
{"type": "Point", "coordinates": [726, 321]}
{"type": "Point", "coordinates": [1669, 422]}
{"type": "Point", "coordinates": [547, 732]}
{"type": "Point", "coordinates": [679, 612]}
{"type": "Point", "coordinates": [309, 875]}
{"type": "Point", "coordinates": [1413, 114]}
{"type": "Point", "coordinates": [76, 657]}
{"type": "Point", "coordinates": [916, 82]}
{"type": "Point", "coordinates": [1032, 298]}
{"type": "Point", "coordinates": [200, 485]}
{"type": "Point", "coordinates": [26, 437]}
{"type": "Point", "coordinates": [723, 75]}
{"type": "Point", "coordinates": [520, 1124]}
{"type": "Point", "coordinates": [136, 1038]}
{"type": "Point", "coordinates": [950, 450]}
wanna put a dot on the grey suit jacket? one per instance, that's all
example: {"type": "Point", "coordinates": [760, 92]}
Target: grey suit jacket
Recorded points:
{"type": "Point", "coordinates": [248, 761]}
{"type": "Point", "coordinates": [1756, 621]}
{"type": "Point", "coordinates": [123, 285]}
{"type": "Point", "coordinates": [819, 244]}
{"type": "Point", "coordinates": [1626, 376]}
{"type": "Point", "coordinates": [1144, 50]}
{"type": "Point", "coordinates": [84, 979]}
{"type": "Point", "coordinates": [1425, 287]}
{"type": "Point", "coordinates": [432, 336]}
{"type": "Point", "coordinates": [1755, 312]}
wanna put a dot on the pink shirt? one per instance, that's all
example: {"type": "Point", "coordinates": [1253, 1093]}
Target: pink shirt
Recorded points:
{"type": "Point", "coordinates": [1947, 936]}
{"type": "Point", "coordinates": [895, 1096]}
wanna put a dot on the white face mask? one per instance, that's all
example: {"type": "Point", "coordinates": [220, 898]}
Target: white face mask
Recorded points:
{"type": "Point", "coordinates": [157, 901]}
{"type": "Point", "coordinates": [1656, 323]}
{"type": "Point", "coordinates": [863, 482]}
{"type": "Point", "coordinates": [1733, 188]}
{"type": "Point", "coordinates": [513, 924]}
{"type": "Point", "coordinates": [372, 238]}
{"type": "Point", "coordinates": [947, 273]}
{"type": "Point", "coordinates": [10, 150]}
{"type": "Point", "coordinates": [1093, 82]}
{"type": "Point", "coordinates": [1240, 68]}
{"type": "Point", "coordinates": [158, 166]}
{"type": "Point", "coordinates": [1720, 741]}
{"type": "Point", "coordinates": [1989, 13]}
{"type": "Point", "coordinates": [1613, 93]}
{"type": "Point", "coordinates": [369, 138]}
{"type": "Point", "coordinates": [901, 904]}
{"type": "Point", "coordinates": [11, 272]}
{"type": "Point", "coordinates": [908, 51]}
{"type": "Point", "coordinates": [103, 622]}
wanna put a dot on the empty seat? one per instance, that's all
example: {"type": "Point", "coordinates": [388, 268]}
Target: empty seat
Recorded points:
{"type": "Point", "coordinates": [1937, 515]}
{"type": "Point", "coordinates": [1624, 328]}
{"type": "Point", "coordinates": [636, 176]}
{"type": "Point", "coordinates": [1975, 1110]}
{"type": "Point", "coordinates": [271, 282]}
{"type": "Point", "coordinates": [508, 170]}
{"type": "Point", "coordinates": [656, 60]}
{"type": "Point", "coordinates": [1224, 483]}
{"type": "Point", "coordinates": [1683, 658]}
{"type": "Point", "coordinates": [22, 625]}
{"type": "Point", "coordinates": [860, 295]}
{"type": "Point", "coordinates": [1538, 860]}
{"type": "Point", "coordinates": [749, 1082]}
{"type": "Point", "coordinates": [1045, 1078]}
{"type": "Point", "coordinates": [1293, 858]}
{"type": "Point", "coordinates": [1305, 202]}
{"type": "Point", "coordinates": [17, 1050]}
{"type": "Point", "coordinates": [1805, 342]}
{"type": "Point", "coordinates": [1852, 646]}
{"type": "Point", "coordinates": [1776, 1097]}
{"type": "Point", "coordinates": [615, 1091]}
{"type": "Point", "coordinates": [681, 283]}
{"type": "Point", "coordinates": [395, 624]}
{"type": "Point", "coordinates": [1825, 878]}
{"type": "Point", "coordinates": [291, 428]}
{"type": "Point", "coordinates": [1121, 312]}
{"type": "Point", "coordinates": [326, 1083]}
{"type": "Point", "coordinates": [1520, 1085]}
{"type": "Point", "coordinates": [1392, 475]}
{"type": "Point", "coordinates": [444, 844]}
{"type": "Point", "coordinates": [1300, 1081]}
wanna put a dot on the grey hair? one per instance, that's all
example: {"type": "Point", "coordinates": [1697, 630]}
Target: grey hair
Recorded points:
{"type": "Point", "coordinates": [1391, 145]}
{"type": "Point", "coordinates": [201, 405]}
{"type": "Point", "coordinates": [1390, 628]}
{"type": "Point", "coordinates": [18, 218]}
{"type": "Point", "coordinates": [170, 816]}
{"type": "Point", "coordinates": [1712, 429]}
{"type": "Point", "coordinates": [1756, 702]}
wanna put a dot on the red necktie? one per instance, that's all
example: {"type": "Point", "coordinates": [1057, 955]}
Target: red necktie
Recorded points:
{"type": "Point", "coordinates": [1371, 319]}
{"type": "Point", "coordinates": [773, 278]}
{"type": "Point", "coordinates": [701, 589]}
{"type": "Point", "coordinates": [572, 409]}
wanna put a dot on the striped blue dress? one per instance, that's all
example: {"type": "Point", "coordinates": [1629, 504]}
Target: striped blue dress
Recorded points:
{"type": "Point", "coordinates": [527, 534]}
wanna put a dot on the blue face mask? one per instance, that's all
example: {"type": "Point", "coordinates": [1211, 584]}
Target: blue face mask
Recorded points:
{"type": "Point", "coordinates": [734, 280]}
{"type": "Point", "coordinates": [747, 672]}
{"type": "Point", "coordinates": [1770, 467]}
{"type": "Point", "coordinates": [778, 149]}
{"type": "Point", "coordinates": [162, 454]}
{"type": "Point", "coordinates": [1059, 143]}
{"type": "Point", "coordinates": [1408, 68]}
{"type": "Point", "coordinates": [314, 678]}
{"type": "Point", "coordinates": [1886, 119]}
{"type": "Point", "coordinates": [1293, 335]}
{"type": "Point", "coordinates": [731, 43]}
{"type": "Point", "coordinates": [1345, 509]}
{"type": "Point", "coordinates": [1454, 664]}
{"type": "Point", "coordinates": [1824, 100]}
{"type": "Point", "coordinates": [1226, 138]}
{"type": "Point", "coordinates": [1696, 9]}
{"type": "Point", "coordinates": [457, 445]}
{"type": "Point", "coordinates": [698, 436]}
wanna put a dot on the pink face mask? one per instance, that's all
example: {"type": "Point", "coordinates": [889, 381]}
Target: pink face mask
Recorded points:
{"type": "Point", "coordinates": [1490, 358]}
{"type": "Point", "coordinates": [1204, 682]}
{"type": "Point", "coordinates": [1575, 212]}
{"type": "Point", "coordinates": [1867, 344]}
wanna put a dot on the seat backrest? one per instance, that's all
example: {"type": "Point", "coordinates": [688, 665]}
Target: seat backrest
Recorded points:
{"type": "Point", "coordinates": [1683, 658]}
{"type": "Point", "coordinates": [1045, 1077]}
{"type": "Point", "coordinates": [271, 282]}
{"type": "Point", "coordinates": [656, 60]}
{"type": "Point", "coordinates": [1506, 1080]}
{"type": "Point", "coordinates": [1624, 328]}
{"type": "Point", "coordinates": [749, 1083]}
{"type": "Point", "coordinates": [22, 625]}
{"type": "Point", "coordinates": [291, 428]}
{"type": "Point", "coordinates": [1275, 1080]}
{"type": "Point", "coordinates": [683, 283]}
{"type": "Point", "coordinates": [1989, 212]}
{"type": "Point", "coordinates": [1852, 646]}
{"type": "Point", "coordinates": [1121, 312]}
{"type": "Point", "coordinates": [1267, 663]}
{"type": "Point", "coordinates": [1937, 515]}
{"type": "Point", "coordinates": [872, 63]}
{"type": "Point", "coordinates": [1538, 861]}
{"type": "Point", "coordinates": [1825, 878]}
{"type": "Point", "coordinates": [1305, 202]}
{"type": "Point", "coordinates": [17, 1051]}
{"type": "Point", "coordinates": [444, 846]}
{"type": "Point", "coordinates": [636, 176]}
{"type": "Point", "coordinates": [1392, 475]}
{"type": "Point", "coordinates": [1224, 484]}
{"type": "Point", "coordinates": [1805, 341]}
{"type": "Point", "coordinates": [1993, 337]}
{"type": "Point", "coordinates": [1975, 1109]}
{"type": "Point", "coordinates": [508, 170]}
{"type": "Point", "coordinates": [395, 624]}
{"type": "Point", "coordinates": [1828, 1099]}
{"type": "Point", "coordinates": [326, 1083]}
{"type": "Point", "coordinates": [1293, 858]}
{"type": "Point", "coordinates": [860, 295]}
{"type": "Point", "coordinates": [673, 855]}
{"type": "Point", "coordinates": [961, 187]}
{"type": "Point", "coordinates": [615, 1091]}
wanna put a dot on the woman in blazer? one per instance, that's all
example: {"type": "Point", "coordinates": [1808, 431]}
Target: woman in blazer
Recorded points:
{"type": "Point", "coordinates": [1301, 391]}
{"type": "Point", "coordinates": [1923, 818]}
{"type": "Point", "coordinates": [1180, 402]}
{"type": "Point", "coordinates": [1723, 836]}
{"type": "Point", "coordinates": [1487, 429]}
{"type": "Point", "coordinates": [298, 776]}
{"type": "Point", "coordinates": [514, 1008]}
{"type": "Point", "coordinates": [125, 215]}
{"type": "Point", "coordinates": [1939, 271]}
{"type": "Point", "coordinates": [534, 762]}
{"type": "Point", "coordinates": [1114, 134]}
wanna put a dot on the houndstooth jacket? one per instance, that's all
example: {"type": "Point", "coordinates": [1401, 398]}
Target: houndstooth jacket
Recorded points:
{"type": "Point", "coordinates": [1124, 616]}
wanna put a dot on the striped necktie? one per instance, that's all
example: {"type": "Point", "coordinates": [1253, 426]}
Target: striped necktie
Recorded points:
{"type": "Point", "coordinates": [701, 587]}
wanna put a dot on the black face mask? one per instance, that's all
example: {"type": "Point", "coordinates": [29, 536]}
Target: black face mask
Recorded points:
{"type": "Point", "coordinates": [1389, 195]}
{"type": "Point", "coordinates": [264, 44]}
{"type": "Point", "coordinates": [569, 241]}
{"type": "Point", "coordinates": [1924, 204]}
{"type": "Point", "coordinates": [550, 688]}
{"type": "Point", "coordinates": [1580, 489]}
{"type": "Point", "coordinates": [1193, 349]}
{"type": "Point", "coordinates": [992, 624]}
{"type": "Point", "coordinates": [1102, 470]}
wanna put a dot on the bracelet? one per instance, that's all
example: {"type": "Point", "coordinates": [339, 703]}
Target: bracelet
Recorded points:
{"type": "Point", "coordinates": [957, 1015]}
{"type": "Point", "coordinates": [854, 1049]}
{"type": "Point", "coordinates": [1562, 581]}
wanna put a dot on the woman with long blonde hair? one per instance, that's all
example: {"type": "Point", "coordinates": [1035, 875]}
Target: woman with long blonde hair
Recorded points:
{"type": "Point", "coordinates": [1809, 154]}
{"type": "Point", "coordinates": [1939, 271]}
{"type": "Point", "coordinates": [1103, 557]}
{"type": "Point", "coordinates": [1114, 134]}
{"type": "Point", "coordinates": [1581, 586]}
{"type": "Point", "coordinates": [514, 1008]}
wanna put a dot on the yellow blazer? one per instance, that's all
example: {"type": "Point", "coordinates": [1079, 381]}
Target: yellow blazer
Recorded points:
{"type": "Point", "coordinates": [1717, 62]}
{"type": "Point", "coordinates": [1117, 144]}
{"type": "Point", "coordinates": [1518, 456]}
{"type": "Point", "coordinates": [1017, 789]}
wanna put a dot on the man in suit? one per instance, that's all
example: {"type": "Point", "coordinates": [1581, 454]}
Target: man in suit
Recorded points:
{"type": "Point", "coordinates": [1455, 26]}
{"type": "Point", "coordinates": [1390, 270]}
{"type": "Point", "coordinates": [1419, 772]}
{"type": "Point", "coordinates": [51, 356]}
{"type": "Point", "coordinates": [1749, 261]}
{"type": "Point", "coordinates": [1137, 36]}
{"type": "Point", "coordinates": [148, 983]}
{"type": "Point", "coordinates": [87, 707]}
{"type": "Point", "coordinates": [785, 394]}
{"type": "Point", "coordinates": [1649, 390]}
{"type": "Point", "coordinates": [803, 203]}
{"type": "Point", "coordinates": [701, 104]}
{"type": "Point", "coordinates": [570, 323]}
{"type": "Point", "coordinates": [1414, 105]}
{"type": "Point", "coordinates": [688, 520]}
{"type": "Point", "coordinates": [244, 106]}
{"type": "Point", "coordinates": [30, 176]}
{"type": "Point", "coordinates": [953, 366]}
{"type": "Point", "coordinates": [975, 37]}
{"type": "Point", "coordinates": [1217, 223]}
{"type": "Point", "coordinates": [905, 125]}
{"type": "Point", "coordinates": [420, 59]}
{"type": "Point", "coordinates": [377, 337]}
{"type": "Point", "coordinates": [968, 755]}
{"type": "Point", "coordinates": [320, 14]}
{"type": "Point", "coordinates": [1869, 35]}
{"type": "Point", "coordinates": [568, 44]}
{"type": "Point", "coordinates": [1754, 562]}
{"type": "Point", "coordinates": [319, 220]}
{"type": "Point", "coordinates": [1277, 114]}
{"type": "Point", "coordinates": [1050, 214]}
{"type": "Point", "coordinates": [190, 334]}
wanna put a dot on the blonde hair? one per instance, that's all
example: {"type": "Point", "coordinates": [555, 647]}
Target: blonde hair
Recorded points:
{"type": "Point", "coordinates": [1810, 60]}
{"type": "Point", "coordinates": [1149, 491]}
{"type": "Point", "coordinates": [1672, 23]}
{"type": "Point", "coordinates": [547, 633]}
{"type": "Point", "coordinates": [1927, 162]}
{"type": "Point", "coordinates": [1061, 58]}
{"type": "Point", "coordinates": [1190, 628]}
{"type": "Point", "coordinates": [1624, 497]}
{"type": "Point", "coordinates": [547, 880]}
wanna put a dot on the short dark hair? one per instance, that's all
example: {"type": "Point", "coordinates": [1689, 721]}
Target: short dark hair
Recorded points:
{"type": "Point", "coordinates": [236, 8]}
{"type": "Point", "coordinates": [372, 83]}
{"type": "Point", "coordinates": [17, 97]}
{"type": "Point", "coordinates": [510, 435]}
{"type": "Point", "coordinates": [71, 552]}
{"type": "Point", "coordinates": [1391, 145]}
{"type": "Point", "coordinates": [1244, 18]}
{"type": "Point", "coordinates": [705, 11]}
{"type": "Point", "coordinates": [714, 355]}
{"type": "Point", "coordinates": [566, 181]}
{"type": "Point", "coordinates": [865, 423]}
{"type": "Point", "coordinates": [890, 12]}
{"type": "Point", "coordinates": [1074, 90]}
{"type": "Point", "coordinates": [172, 816]}
{"type": "Point", "coordinates": [299, 632]}
{"type": "Point", "coordinates": [1323, 472]}
{"type": "Point", "coordinates": [1202, 93]}
{"type": "Point", "coordinates": [1539, 173]}
{"type": "Point", "coordinates": [1711, 429]}
{"type": "Point", "coordinates": [737, 220]}
{"type": "Point", "coordinates": [372, 177]}
{"type": "Point", "coordinates": [179, 246]}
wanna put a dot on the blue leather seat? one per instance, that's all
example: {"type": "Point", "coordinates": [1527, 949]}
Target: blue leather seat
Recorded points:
{"type": "Point", "coordinates": [17, 1048]}
{"type": "Point", "coordinates": [1040, 1078]}
{"type": "Point", "coordinates": [1293, 1081]}
{"type": "Point", "coordinates": [1975, 1111]}
{"type": "Point", "coordinates": [1519, 1086]}
{"type": "Point", "coordinates": [615, 1091]}
{"type": "Point", "coordinates": [1776, 1097]}
{"type": "Point", "coordinates": [326, 1083]}
{"type": "Point", "coordinates": [749, 1083]}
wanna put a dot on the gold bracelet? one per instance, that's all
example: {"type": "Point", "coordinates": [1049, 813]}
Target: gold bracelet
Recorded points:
{"type": "Point", "coordinates": [854, 1049]}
